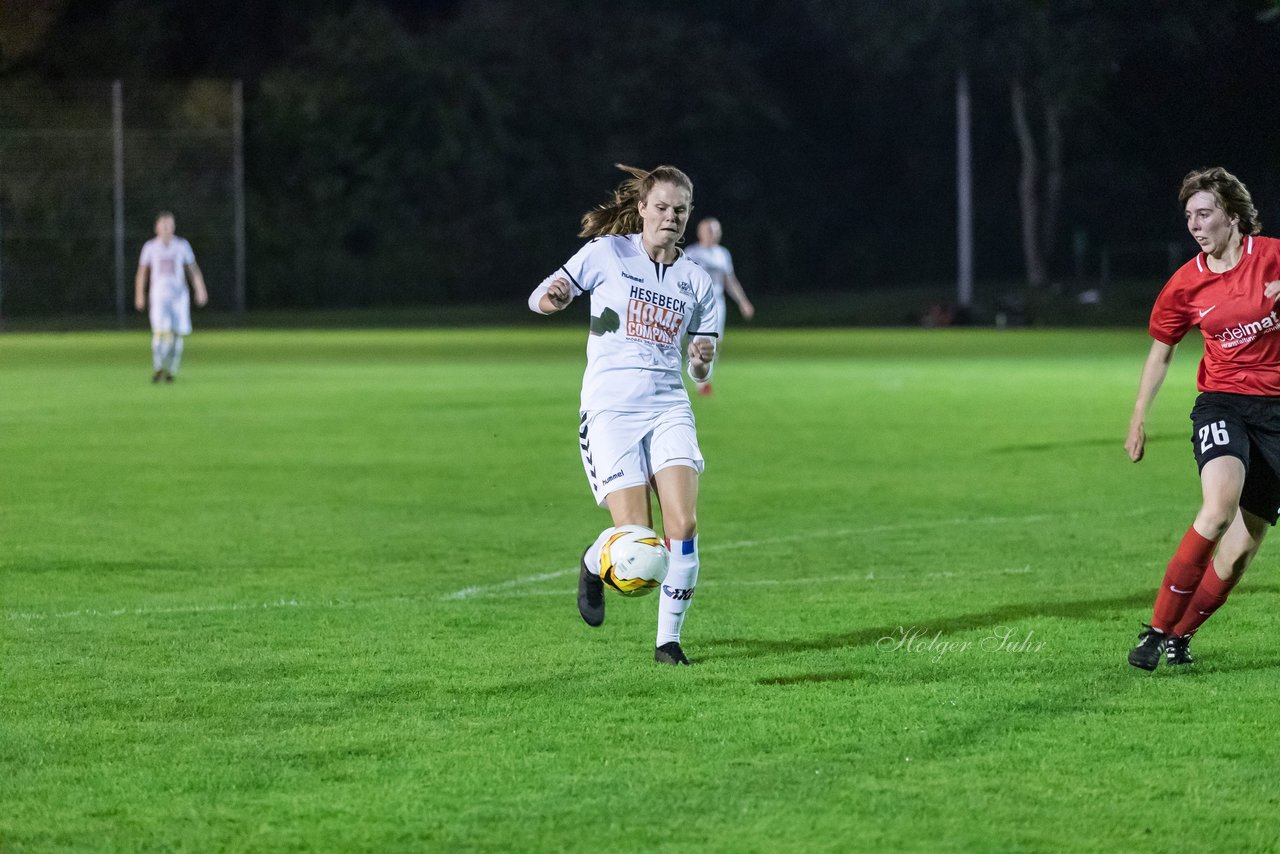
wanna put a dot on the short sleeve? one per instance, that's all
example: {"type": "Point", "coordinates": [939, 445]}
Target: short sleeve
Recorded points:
{"type": "Point", "coordinates": [707, 320]}
{"type": "Point", "coordinates": [1170, 319]}
{"type": "Point", "coordinates": [188, 254]}
{"type": "Point", "coordinates": [583, 271]}
{"type": "Point", "coordinates": [728, 261]}
{"type": "Point", "coordinates": [584, 268]}
{"type": "Point", "coordinates": [144, 259]}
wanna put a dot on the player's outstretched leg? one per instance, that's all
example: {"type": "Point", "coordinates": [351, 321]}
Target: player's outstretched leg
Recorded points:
{"type": "Point", "coordinates": [677, 592]}
{"type": "Point", "coordinates": [1150, 648]}
{"type": "Point", "coordinates": [1182, 577]}
{"type": "Point", "coordinates": [1178, 650]}
{"type": "Point", "coordinates": [590, 595]}
{"type": "Point", "coordinates": [175, 359]}
{"type": "Point", "coordinates": [159, 351]}
{"type": "Point", "coordinates": [590, 585]}
{"type": "Point", "coordinates": [671, 653]}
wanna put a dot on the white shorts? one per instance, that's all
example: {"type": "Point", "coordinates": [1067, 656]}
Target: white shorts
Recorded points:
{"type": "Point", "coordinates": [172, 315]}
{"type": "Point", "coordinates": [624, 449]}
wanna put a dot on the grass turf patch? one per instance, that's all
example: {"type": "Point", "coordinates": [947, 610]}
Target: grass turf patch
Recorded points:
{"type": "Point", "coordinates": [319, 594]}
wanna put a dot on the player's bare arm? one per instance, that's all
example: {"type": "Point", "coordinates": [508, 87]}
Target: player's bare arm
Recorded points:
{"type": "Point", "coordinates": [701, 351]}
{"type": "Point", "coordinates": [733, 288]}
{"type": "Point", "coordinates": [557, 297]}
{"type": "Point", "coordinates": [1272, 289]}
{"type": "Point", "coordinates": [197, 284]}
{"type": "Point", "coordinates": [1154, 371]}
{"type": "Point", "coordinates": [140, 289]}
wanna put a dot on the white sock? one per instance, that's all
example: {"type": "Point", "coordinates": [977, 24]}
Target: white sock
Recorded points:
{"type": "Point", "coordinates": [593, 553]}
{"type": "Point", "coordinates": [175, 355]}
{"type": "Point", "coordinates": [677, 589]}
{"type": "Point", "coordinates": [159, 345]}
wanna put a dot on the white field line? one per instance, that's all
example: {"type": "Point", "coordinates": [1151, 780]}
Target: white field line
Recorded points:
{"type": "Point", "coordinates": [482, 589]}
{"type": "Point", "coordinates": [848, 578]}
{"type": "Point", "coordinates": [176, 609]}
{"type": "Point", "coordinates": [712, 548]}
{"type": "Point", "coordinates": [512, 586]}
{"type": "Point", "coordinates": [288, 604]}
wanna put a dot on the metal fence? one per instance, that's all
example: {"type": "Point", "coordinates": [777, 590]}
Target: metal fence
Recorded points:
{"type": "Point", "coordinates": [85, 167]}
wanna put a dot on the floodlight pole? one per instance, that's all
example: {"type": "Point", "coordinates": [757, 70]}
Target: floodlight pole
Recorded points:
{"type": "Point", "coordinates": [1, 264]}
{"type": "Point", "coordinates": [117, 140]}
{"type": "Point", "coordinates": [237, 189]}
{"type": "Point", "coordinates": [964, 194]}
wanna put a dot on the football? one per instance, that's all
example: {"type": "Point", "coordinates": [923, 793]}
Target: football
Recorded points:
{"type": "Point", "coordinates": [633, 560]}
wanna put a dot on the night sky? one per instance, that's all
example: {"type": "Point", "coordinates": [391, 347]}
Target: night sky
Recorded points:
{"type": "Point", "coordinates": [821, 133]}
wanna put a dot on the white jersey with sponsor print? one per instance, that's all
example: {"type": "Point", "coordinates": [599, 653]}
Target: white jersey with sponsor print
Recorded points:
{"type": "Point", "coordinates": [168, 268]}
{"type": "Point", "coordinates": [641, 312]}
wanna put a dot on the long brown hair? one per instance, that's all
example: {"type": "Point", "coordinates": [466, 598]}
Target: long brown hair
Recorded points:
{"type": "Point", "coordinates": [1232, 195]}
{"type": "Point", "coordinates": [620, 215]}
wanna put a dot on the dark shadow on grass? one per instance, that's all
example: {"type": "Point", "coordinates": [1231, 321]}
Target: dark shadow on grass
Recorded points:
{"type": "Point", "coordinates": [964, 622]}
{"type": "Point", "coordinates": [1057, 696]}
{"type": "Point", "coordinates": [1117, 441]}
{"type": "Point", "coordinates": [755, 647]}
{"type": "Point", "coordinates": [1205, 668]}
{"type": "Point", "coordinates": [809, 678]}
{"type": "Point", "coordinates": [50, 565]}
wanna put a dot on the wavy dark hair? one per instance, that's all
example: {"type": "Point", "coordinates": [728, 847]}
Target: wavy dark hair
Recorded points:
{"type": "Point", "coordinates": [621, 214]}
{"type": "Point", "coordinates": [1232, 195]}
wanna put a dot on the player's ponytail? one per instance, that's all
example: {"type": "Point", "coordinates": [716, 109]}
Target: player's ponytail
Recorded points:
{"type": "Point", "coordinates": [621, 214]}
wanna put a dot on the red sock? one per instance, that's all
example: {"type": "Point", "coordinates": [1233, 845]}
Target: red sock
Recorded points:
{"type": "Point", "coordinates": [1181, 579]}
{"type": "Point", "coordinates": [1209, 596]}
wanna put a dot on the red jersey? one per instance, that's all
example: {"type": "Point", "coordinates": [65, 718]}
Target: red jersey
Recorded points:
{"type": "Point", "coordinates": [1241, 327]}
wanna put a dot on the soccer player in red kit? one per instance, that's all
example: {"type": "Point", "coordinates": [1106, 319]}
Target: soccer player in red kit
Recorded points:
{"type": "Point", "coordinates": [1229, 291]}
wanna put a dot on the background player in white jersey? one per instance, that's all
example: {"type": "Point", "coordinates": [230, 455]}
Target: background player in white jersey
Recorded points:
{"type": "Point", "coordinates": [637, 430]}
{"type": "Point", "coordinates": [718, 263]}
{"type": "Point", "coordinates": [169, 260]}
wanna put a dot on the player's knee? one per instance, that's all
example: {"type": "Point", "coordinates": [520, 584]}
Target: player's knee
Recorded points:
{"type": "Point", "coordinates": [678, 526]}
{"type": "Point", "coordinates": [1214, 519]}
{"type": "Point", "coordinates": [1232, 566]}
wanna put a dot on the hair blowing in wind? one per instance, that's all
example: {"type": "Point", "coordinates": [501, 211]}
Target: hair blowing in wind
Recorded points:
{"type": "Point", "coordinates": [620, 215]}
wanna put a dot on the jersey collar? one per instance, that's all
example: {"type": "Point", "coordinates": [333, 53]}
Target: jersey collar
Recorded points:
{"type": "Point", "coordinates": [1202, 260]}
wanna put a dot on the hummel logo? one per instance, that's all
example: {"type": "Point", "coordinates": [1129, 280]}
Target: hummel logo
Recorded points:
{"type": "Point", "coordinates": [1209, 309]}
{"type": "Point", "coordinates": [1176, 590]}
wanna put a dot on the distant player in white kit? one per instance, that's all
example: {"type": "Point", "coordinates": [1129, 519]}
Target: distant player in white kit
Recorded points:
{"type": "Point", "coordinates": [169, 260]}
{"type": "Point", "coordinates": [716, 260]}
{"type": "Point", "coordinates": [636, 430]}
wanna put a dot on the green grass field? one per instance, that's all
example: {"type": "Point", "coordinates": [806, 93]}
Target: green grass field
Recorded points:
{"type": "Point", "coordinates": [319, 595]}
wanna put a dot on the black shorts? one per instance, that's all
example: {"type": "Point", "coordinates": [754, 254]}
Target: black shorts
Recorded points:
{"type": "Point", "coordinates": [1246, 427]}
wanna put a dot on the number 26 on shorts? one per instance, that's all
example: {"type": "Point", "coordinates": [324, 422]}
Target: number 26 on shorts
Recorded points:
{"type": "Point", "coordinates": [1213, 433]}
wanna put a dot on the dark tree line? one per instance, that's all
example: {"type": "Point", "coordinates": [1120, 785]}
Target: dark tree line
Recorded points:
{"type": "Point", "coordinates": [402, 152]}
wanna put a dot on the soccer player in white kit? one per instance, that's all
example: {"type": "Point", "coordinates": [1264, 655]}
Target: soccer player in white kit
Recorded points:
{"type": "Point", "coordinates": [716, 260]}
{"type": "Point", "coordinates": [168, 259]}
{"type": "Point", "coordinates": [637, 430]}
